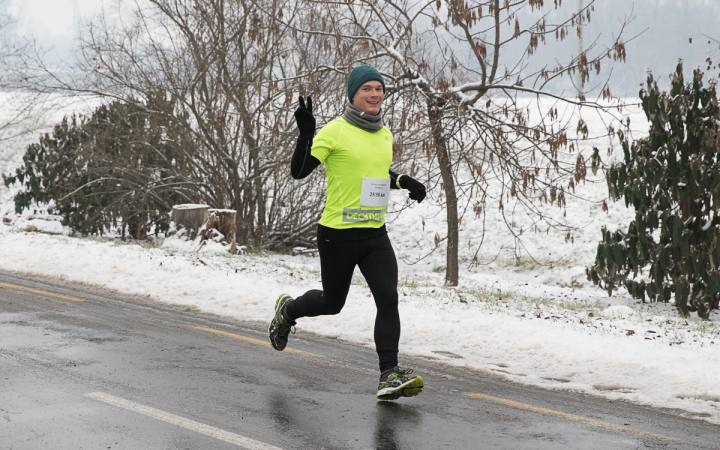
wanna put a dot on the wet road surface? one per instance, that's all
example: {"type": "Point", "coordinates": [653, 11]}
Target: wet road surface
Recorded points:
{"type": "Point", "coordinates": [82, 368]}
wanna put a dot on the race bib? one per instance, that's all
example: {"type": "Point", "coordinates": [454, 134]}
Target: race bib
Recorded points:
{"type": "Point", "coordinates": [375, 192]}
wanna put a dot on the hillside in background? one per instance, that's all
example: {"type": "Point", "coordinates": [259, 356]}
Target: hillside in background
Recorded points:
{"type": "Point", "coordinates": [656, 38]}
{"type": "Point", "coordinates": [666, 27]}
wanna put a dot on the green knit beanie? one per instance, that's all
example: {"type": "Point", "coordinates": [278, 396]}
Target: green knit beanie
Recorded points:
{"type": "Point", "coordinates": [361, 75]}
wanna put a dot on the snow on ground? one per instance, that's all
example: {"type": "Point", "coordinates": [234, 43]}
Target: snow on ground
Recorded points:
{"type": "Point", "coordinates": [543, 325]}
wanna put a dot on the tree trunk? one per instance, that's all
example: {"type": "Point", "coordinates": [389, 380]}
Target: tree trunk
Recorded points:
{"type": "Point", "coordinates": [443, 156]}
{"type": "Point", "coordinates": [137, 226]}
{"type": "Point", "coordinates": [260, 196]}
{"type": "Point", "coordinates": [190, 216]}
{"type": "Point", "coordinates": [255, 187]}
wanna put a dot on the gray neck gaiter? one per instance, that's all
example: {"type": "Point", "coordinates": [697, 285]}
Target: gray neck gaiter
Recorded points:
{"type": "Point", "coordinates": [367, 122]}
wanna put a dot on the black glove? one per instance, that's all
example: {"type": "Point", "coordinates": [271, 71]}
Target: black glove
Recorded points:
{"type": "Point", "coordinates": [416, 188]}
{"type": "Point", "coordinates": [304, 118]}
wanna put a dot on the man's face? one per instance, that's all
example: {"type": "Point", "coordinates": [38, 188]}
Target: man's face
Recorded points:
{"type": "Point", "coordinates": [369, 97]}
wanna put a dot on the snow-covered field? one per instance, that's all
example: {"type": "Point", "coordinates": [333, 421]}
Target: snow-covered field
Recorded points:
{"type": "Point", "coordinates": [535, 321]}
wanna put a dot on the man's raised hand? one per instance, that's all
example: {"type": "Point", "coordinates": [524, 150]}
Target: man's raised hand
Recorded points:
{"type": "Point", "coordinates": [305, 119]}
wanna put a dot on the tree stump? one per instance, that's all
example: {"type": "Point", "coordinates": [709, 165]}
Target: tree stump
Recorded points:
{"type": "Point", "coordinates": [220, 228]}
{"type": "Point", "coordinates": [191, 217]}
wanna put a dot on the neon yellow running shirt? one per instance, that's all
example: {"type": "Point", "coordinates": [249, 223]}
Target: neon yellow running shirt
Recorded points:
{"type": "Point", "coordinates": [350, 155]}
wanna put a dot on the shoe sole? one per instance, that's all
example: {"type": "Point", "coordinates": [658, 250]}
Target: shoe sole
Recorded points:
{"type": "Point", "coordinates": [409, 389]}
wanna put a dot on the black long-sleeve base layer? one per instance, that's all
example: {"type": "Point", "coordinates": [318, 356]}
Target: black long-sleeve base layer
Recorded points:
{"type": "Point", "coordinates": [375, 257]}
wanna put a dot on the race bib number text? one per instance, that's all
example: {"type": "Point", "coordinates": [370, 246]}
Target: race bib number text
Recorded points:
{"type": "Point", "coordinates": [375, 192]}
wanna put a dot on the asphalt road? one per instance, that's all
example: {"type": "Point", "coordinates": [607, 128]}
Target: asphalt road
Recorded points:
{"type": "Point", "coordinates": [83, 368]}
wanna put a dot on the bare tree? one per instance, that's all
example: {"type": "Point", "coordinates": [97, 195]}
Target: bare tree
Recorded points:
{"type": "Point", "coordinates": [231, 73]}
{"type": "Point", "coordinates": [474, 64]}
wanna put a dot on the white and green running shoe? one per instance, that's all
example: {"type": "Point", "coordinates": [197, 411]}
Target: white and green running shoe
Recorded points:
{"type": "Point", "coordinates": [279, 328]}
{"type": "Point", "coordinates": [399, 383]}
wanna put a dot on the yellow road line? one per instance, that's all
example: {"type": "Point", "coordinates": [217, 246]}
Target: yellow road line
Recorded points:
{"type": "Point", "coordinates": [552, 412]}
{"type": "Point", "coordinates": [38, 291]}
{"type": "Point", "coordinates": [255, 341]}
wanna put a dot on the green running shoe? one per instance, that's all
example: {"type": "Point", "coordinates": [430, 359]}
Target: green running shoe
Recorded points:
{"type": "Point", "coordinates": [399, 383]}
{"type": "Point", "coordinates": [279, 328]}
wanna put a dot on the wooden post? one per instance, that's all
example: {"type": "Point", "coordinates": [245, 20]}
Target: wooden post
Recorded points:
{"type": "Point", "coordinates": [191, 217]}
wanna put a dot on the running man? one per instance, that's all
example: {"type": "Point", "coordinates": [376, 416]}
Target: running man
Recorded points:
{"type": "Point", "coordinates": [357, 152]}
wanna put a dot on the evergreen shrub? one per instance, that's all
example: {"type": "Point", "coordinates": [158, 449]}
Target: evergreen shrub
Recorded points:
{"type": "Point", "coordinates": [671, 250]}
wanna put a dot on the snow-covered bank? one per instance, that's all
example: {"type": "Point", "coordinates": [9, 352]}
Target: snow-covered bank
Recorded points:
{"type": "Point", "coordinates": [552, 336]}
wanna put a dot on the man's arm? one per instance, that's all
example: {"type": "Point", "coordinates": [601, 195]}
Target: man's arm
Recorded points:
{"type": "Point", "coordinates": [303, 163]}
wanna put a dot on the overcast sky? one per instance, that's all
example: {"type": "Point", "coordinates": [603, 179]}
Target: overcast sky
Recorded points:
{"type": "Point", "coordinates": [665, 25]}
{"type": "Point", "coordinates": [49, 19]}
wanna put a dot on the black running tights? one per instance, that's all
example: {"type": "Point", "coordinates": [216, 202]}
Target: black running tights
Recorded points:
{"type": "Point", "coordinates": [376, 259]}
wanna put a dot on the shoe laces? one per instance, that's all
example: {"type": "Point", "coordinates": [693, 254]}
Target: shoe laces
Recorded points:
{"type": "Point", "coordinates": [400, 374]}
{"type": "Point", "coordinates": [402, 371]}
{"type": "Point", "coordinates": [283, 326]}
{"type": "Point", "coordinates": [290, 327]}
